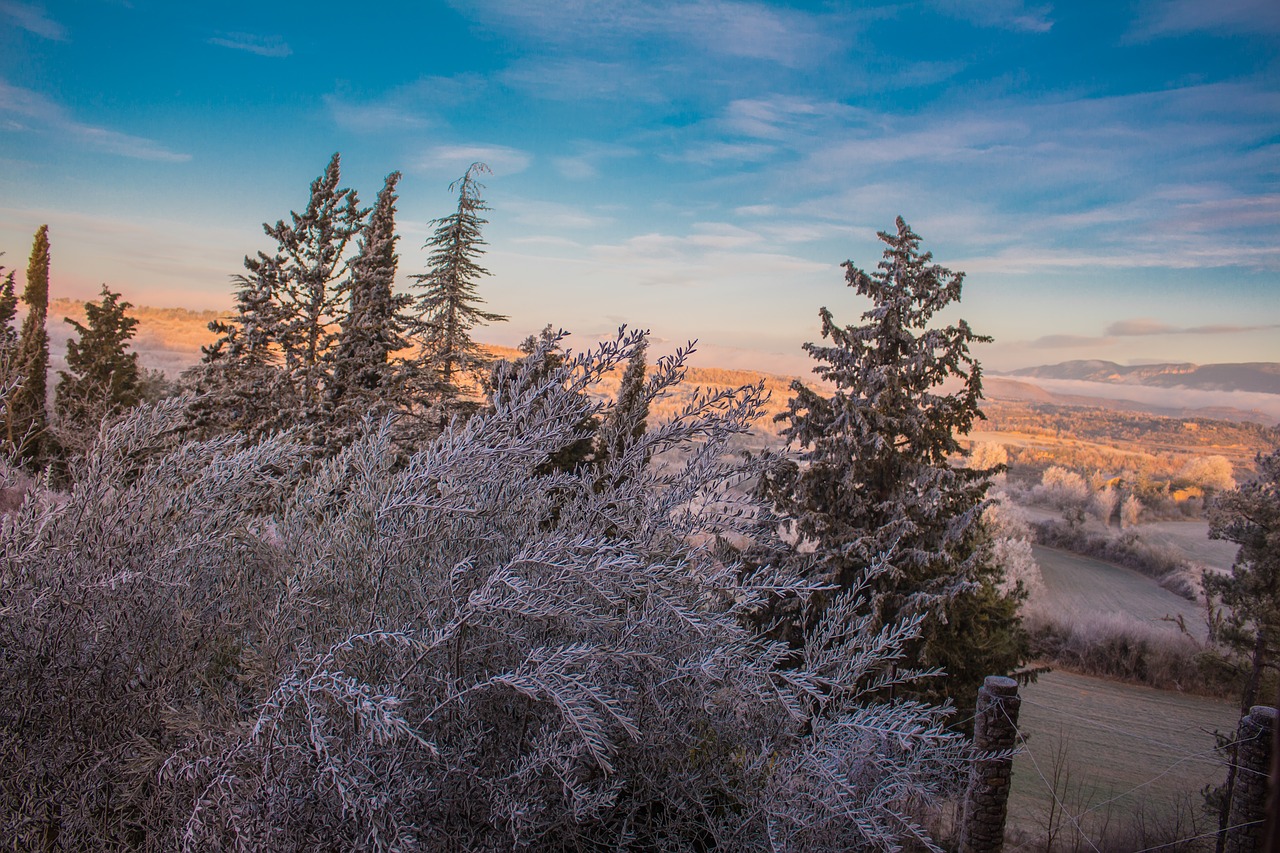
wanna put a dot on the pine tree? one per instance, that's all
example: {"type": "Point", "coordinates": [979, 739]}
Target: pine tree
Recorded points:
{"type": "Point", "coordinates": [449, 307]}
{"type": "Point", "coordinates": [103, 378]}
{"type": "Point", "coordinates": [879, 484]}
{"type": "Point", "coordinates": [374, 327]}
{"type": "Point", "coordinates": [273, 365]}
{"type": "Point", "coordinates": [26, 417]}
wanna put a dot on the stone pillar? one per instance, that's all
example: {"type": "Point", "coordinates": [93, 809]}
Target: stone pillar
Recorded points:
{"type": "Point", "coordinates": [986, 799]}
{"type": "Point", "coordinates": [1253, 765]}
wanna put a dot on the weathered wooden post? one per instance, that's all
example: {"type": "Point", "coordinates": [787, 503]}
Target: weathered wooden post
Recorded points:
{"type": "Point", "coordinates": [986, 799]}
{"type": "Point", "coordinates": [1253, 766]}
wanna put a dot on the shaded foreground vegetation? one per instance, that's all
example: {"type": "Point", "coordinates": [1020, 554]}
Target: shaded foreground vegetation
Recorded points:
{"type": "Point", "coordinates": [224, 644]}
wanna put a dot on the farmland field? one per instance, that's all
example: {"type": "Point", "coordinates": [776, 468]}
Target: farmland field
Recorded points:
{"type": "Point", "coordinates": [1077, 586]}
{"type": "Point", "coordinates": [1115, 750]}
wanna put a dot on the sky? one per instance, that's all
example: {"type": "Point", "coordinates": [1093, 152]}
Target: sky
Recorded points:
{"type": "Point", "coordinates": [1107, 174]}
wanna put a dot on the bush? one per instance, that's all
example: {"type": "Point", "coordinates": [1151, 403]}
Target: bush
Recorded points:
{"type": "Point", "coordinates": [230, 645]}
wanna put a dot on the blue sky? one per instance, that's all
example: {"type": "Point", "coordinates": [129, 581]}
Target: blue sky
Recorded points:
{"type": "Point", "coordinates": [1107, 173]}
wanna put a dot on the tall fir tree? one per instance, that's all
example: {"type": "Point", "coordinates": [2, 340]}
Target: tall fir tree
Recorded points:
{"type": "Point", "coordinates": [449, 306]}
{"type": "Point", "coordinates": [365, 378]}
{"type": "Point", "coordinates": [26, 415]}
{"type": "Point", "coordinates": [102, 378]}
{"type": "Point", "coordinates": [878, 483]}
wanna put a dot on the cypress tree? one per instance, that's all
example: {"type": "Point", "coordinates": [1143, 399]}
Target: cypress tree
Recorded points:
{"type": "Point", "coordinates": [103, 378]}
{"type": "Point", "coordinates": [626, 422]}
{"type": "Point", "coordinates": [449, 307]}
{"type": "Point", "coordinates": [375, 323]}
{"type": "Point", "coordinates": [27, 420]}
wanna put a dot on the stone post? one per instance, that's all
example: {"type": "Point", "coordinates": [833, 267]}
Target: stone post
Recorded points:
{"type": "Point", "coordinates": [986, 799]}
{"type": "Point", "coordinates": [1253, 765]}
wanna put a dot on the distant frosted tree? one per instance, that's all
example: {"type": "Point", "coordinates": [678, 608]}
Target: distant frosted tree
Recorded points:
{"type": "Point", "coordinates": [1209, 472]}
{"type": "Point", "coordinates": [102, 378]}
{"type": "Point", "coordinates": [26, 417]}
{"type": "Point", "coordinates": [878, 483]}
{"type": "Point", "coordinates": [448, 308]}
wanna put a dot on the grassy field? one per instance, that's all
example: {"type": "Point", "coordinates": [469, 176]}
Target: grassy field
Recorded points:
{"type": "Point", "coordinates": [1111, 753]}
{"type": "Point", "coordinates": [1076, 586]}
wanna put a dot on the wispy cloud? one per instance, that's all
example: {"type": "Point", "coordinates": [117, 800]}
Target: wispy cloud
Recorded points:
{"type": "Point", "coordinates": [722, 27]}
{"type": "Point", "coordinates": [25, 110]}
{"type": "Point", "coordinates": [273, 46]}
{"type": "Point", "coordinates": [1179, 17]}
{"type": "Point", "coordinates": [456, 158]}
{"type": "Point", "coordinates": [412, 106]}
{"type": "Point", "coordinates": [1142, 327]}
{"type": "Point", "coordinates": [33, 19]}
{"type": "Point", "coordinates": [1005, 14]}
{"type": "Point", "coordinates": [1069, 341]}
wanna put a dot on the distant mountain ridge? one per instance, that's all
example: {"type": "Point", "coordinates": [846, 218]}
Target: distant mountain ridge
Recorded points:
{"type": "Point", "coordinates": [1255, 376]}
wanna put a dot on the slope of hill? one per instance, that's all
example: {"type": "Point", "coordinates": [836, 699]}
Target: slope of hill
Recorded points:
{"type": "Point", "coordinates": [1259, 376]}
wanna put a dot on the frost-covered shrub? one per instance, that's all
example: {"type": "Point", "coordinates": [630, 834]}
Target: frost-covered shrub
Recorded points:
{"type": "Point", "coordinates": [1063, 489]}
{"type": "Point", "coordinates": [225, 645]}
{"type": "Point", "coordinates": [1104, 503]}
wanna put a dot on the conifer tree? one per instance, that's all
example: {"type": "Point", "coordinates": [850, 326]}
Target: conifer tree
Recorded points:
{"type": "Point", "coordinates": [879, 483]}
{"type": "Point", "coordinates": [449, 307]}
{"type": "Point", "coordinates": [103, 378]}
{"type": "Point", "coordinates": [27, 420]}
{"type": "Point", "coordinates": [375, 323]}
{"type": "Point", "coordinates": [8, 313]}
{"type": "Point", "coordinates": [312, 286]}
{"type": "Point", "coordinates": [1247, 620]}
{"type": "Point", "coordinates": [241, 384]}
{"type": "Point", "coordinates": [626, 422]}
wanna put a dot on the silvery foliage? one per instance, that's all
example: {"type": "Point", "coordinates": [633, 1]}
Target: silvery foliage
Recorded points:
{"type": "Point", "coordinates": [229, 645]}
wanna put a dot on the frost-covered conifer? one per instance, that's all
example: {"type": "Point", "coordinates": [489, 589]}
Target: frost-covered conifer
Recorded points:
{"type": "Point", "coordinates": [449, 307]}
{"type": "Point", "coordinates": [102, 378]}
{"type": "Point", "coordinates": [878, 480]}
{"type": "Point", "coordinates": [8, 313]}
{"type": "Point", "coordinates": [313, 287]}
{"type": "Point", "coordinates": [241, 382]}
{"type": "Point", "coordinates": [366, 381]}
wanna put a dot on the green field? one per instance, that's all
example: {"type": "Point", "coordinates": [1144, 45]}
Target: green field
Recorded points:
{"type": "Point", "coordinates": [1117, 751]}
